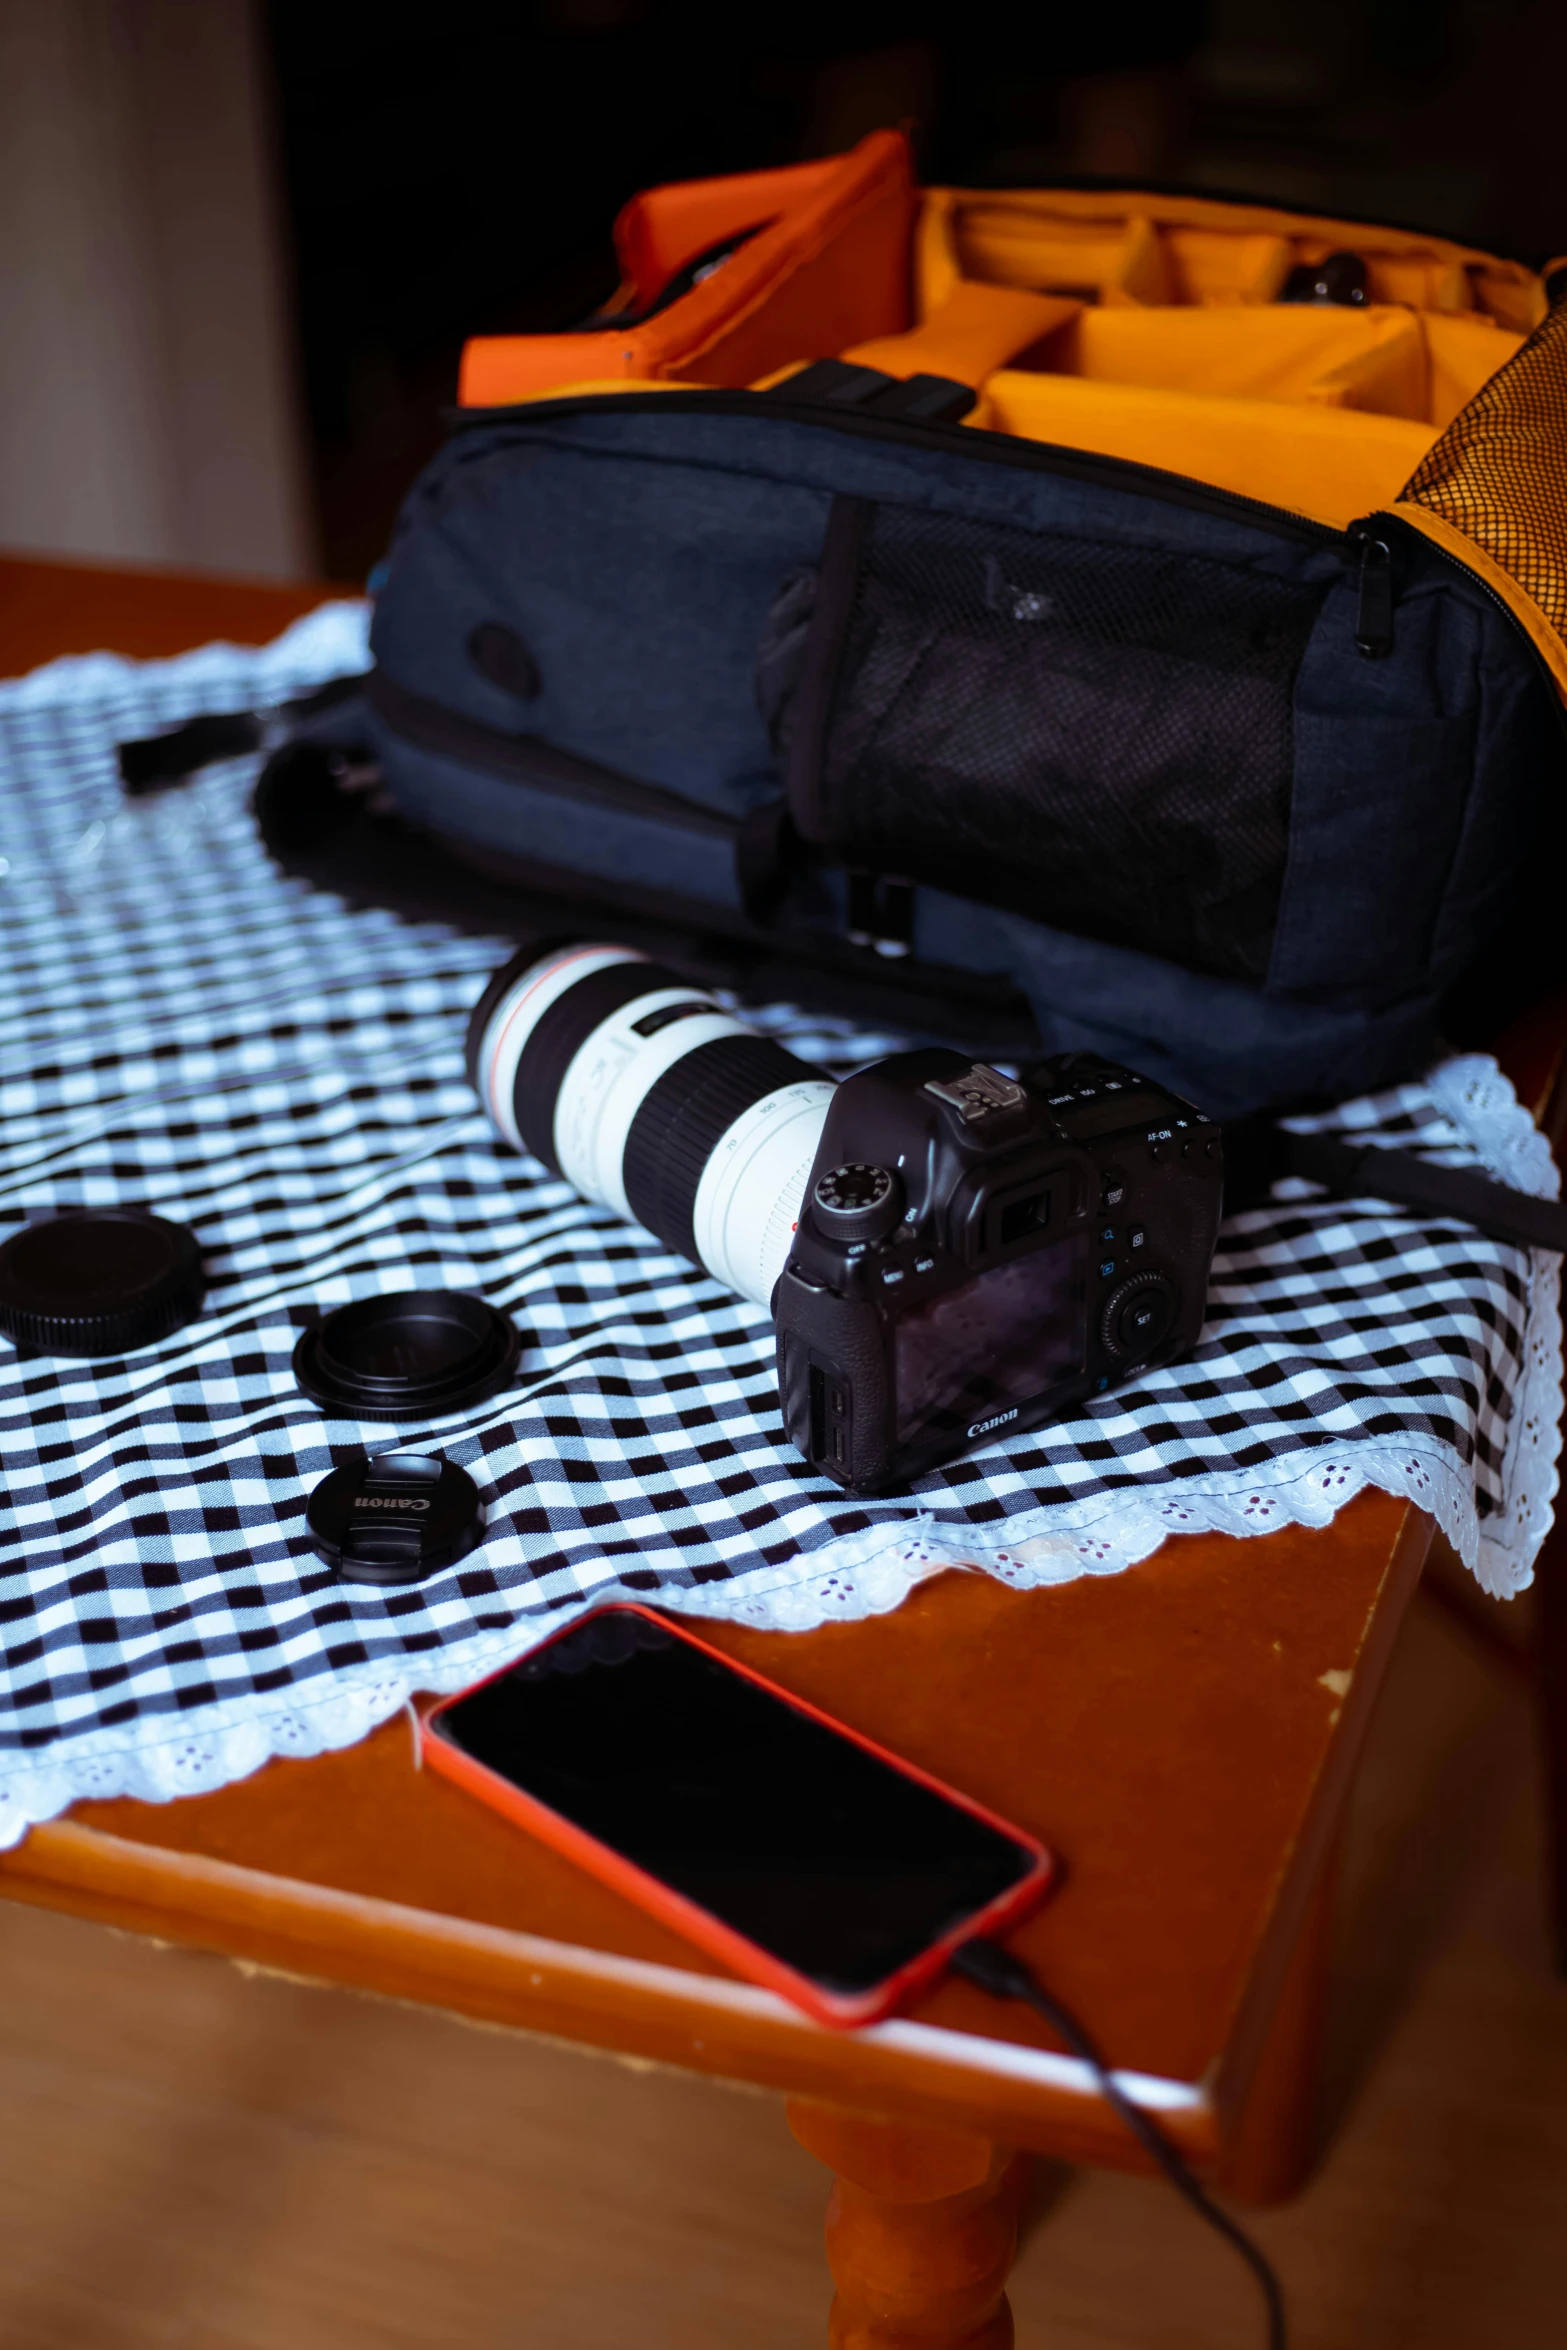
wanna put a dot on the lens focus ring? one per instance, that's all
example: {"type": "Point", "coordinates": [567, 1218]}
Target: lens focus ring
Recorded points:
{"type": "Point", "coordinates": [650, 1097]}
{"type": "Point", "coordinates": [561, 1033]}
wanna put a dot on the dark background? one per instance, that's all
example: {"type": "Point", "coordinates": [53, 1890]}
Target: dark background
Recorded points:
{"type": "Point", "coordinates": [456, 169]}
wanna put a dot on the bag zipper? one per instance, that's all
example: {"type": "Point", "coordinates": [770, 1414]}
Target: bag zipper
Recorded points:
{"type": "Point", "coordinates": [1375, 622]}
{"type": "Point", "coordinates": [1374, 612]}
{"type": "Point", "coordinates": [430, 726]}
{"type": "Point", "coordinates": [1374, 625]}
{"type": "Point", "coordinates": [1176, 489]}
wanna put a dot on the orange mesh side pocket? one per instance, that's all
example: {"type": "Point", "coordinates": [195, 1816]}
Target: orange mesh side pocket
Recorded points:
{"type": "Point", "coordinates": [1499, 472]}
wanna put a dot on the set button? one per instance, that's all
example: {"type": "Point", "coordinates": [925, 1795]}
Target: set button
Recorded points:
{"type": "Point", "coordinates": [1138, 1316]}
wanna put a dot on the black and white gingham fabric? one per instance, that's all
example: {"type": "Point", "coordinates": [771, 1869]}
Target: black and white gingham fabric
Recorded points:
{"type": "Point", "coordinates": [185, 1029]}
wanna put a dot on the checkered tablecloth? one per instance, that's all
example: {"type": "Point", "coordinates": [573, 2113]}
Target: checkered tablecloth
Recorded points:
{"type": "Point", "coordinates": [183, 1028]}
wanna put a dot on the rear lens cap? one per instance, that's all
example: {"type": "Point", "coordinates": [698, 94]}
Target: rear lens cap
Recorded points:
{"type": "Point", "coordinates": [409, 1356]}
{"type": "Point", "coordinates": [98, 1281]}
{"type": "Point", "coordinates": [395, 1518]}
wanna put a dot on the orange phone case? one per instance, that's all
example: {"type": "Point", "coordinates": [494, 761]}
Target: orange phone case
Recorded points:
{"type": "Point", "coordinates": [699, 1925]}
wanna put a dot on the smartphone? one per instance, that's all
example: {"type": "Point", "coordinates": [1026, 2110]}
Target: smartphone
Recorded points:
{"type": "Point", "coordinates": [801, 1854]}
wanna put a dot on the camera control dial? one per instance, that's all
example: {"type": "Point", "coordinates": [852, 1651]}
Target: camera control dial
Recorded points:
{"type": "Point", "coordinates": [857, 1202]}
{"type": "Point", "coordinates": [1137, 1315]}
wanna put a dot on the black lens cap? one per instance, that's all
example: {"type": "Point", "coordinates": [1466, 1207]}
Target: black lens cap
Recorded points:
{"type": "Point", "coordinates": [395, 1518]}
{"type": "Point", "coordinates": [98, 1281]}
{"type": "Point", "coordinates": [411, 1355]}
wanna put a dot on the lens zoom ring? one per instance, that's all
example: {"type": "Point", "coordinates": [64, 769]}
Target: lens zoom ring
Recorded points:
{"type": "Point", "coordinates": [686, 1113]}
{"type": "Point", "coordinates": [561, 1033]}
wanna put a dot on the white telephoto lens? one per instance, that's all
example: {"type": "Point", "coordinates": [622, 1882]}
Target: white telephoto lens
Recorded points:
{"type": "Point", "coordinates": [751, 1190]}
{"type": "Point", "coordinates": [651, 1099]}
{"type": "Point", "coordinates": [511, 1021]}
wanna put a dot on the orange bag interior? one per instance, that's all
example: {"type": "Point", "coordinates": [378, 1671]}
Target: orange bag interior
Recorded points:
{"type": "Point", "coordinates": [1177, 352]}
{"type": "Point", "coordinates": [1139, 326]}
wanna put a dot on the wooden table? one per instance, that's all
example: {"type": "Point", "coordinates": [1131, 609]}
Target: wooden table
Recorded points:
{"type": "Point", "coordinates": [1183, 1735]}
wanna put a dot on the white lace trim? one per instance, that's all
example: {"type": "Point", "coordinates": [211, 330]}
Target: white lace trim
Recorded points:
{"type": "Point", "coordinates": [1494, 1123]}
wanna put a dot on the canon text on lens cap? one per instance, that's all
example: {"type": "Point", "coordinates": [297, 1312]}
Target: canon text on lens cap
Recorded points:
{"type": "Point", "coordinates": [395, 1518]}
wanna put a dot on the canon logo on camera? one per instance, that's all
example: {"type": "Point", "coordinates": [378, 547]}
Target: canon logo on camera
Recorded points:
{"type": "Point", "coordinates": [997, 1420]}
{"type": "Point", "coordinates": [387, 1501]}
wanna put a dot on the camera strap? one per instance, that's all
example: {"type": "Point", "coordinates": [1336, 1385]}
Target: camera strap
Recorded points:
{"type": "Point", "coordinates": [157, 762]}
{"type": "Point", "coordinates": [1258, 1152]}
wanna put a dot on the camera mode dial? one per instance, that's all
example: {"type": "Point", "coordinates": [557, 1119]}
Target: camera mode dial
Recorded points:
{"type": "Point", "coordinates": [857, 1202]}
{"type": "Point", "coordinates": [1137, 1316]}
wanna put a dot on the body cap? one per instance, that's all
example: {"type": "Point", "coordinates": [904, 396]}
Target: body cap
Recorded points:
{"type": "Point", "coordinates": [99, 1281]}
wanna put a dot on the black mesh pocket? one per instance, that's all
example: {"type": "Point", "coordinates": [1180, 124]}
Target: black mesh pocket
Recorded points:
{"type": "Point", "coordinates": [1093, 735]}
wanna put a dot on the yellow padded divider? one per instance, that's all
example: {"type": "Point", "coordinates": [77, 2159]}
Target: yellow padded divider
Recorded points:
{"type": "Point", "coordinates": [1133, 246]}
{"type": "Point", "coordinates": [975, 331]}
{"type": "Point", "coordinates": [1332, 464]}
{"type": "Point", "coordinates": [1373, 359]}
{"type": "Point", "coordinates": [1465, 353]}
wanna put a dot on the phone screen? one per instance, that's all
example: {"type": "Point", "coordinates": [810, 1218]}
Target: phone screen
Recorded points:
{"type": "Point", "coordinates": [836, 1862]}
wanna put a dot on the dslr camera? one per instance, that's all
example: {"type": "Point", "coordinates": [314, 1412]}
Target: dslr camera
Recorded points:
{"type": "Point", "coordinates": [948, 1253]}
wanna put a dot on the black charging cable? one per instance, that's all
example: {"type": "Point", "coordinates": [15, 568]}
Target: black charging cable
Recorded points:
{"type": "Point", "coordinates": [996, 1970]}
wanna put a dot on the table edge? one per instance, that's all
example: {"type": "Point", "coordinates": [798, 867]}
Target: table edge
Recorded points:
{"type": "Point", "coordinates": [567, 1992]}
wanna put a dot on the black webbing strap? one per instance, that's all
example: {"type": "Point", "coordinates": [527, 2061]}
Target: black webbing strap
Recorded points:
{"type": "Point", "coordinates": [1365, 1171]}
{"type": "Point", "coordinates": [159, 760]}
{"type": "Point", "coordinates": [840, 383]}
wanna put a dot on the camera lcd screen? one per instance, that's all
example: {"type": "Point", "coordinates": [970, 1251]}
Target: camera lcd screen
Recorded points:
{"type": "Point", "coordinates": [832, 1859]}
{"type": "Point", "coordinates": [998, 1341]}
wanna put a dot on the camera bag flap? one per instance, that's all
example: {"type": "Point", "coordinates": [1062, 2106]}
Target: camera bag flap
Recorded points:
{"type": "Point", "coordinates": [1148, 634]}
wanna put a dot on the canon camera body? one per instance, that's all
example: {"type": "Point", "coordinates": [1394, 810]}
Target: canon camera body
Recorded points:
{"type": "Point", "coordinates": [976, 1254]}
{"type": "Point", "coordinates": [949, 1254]}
